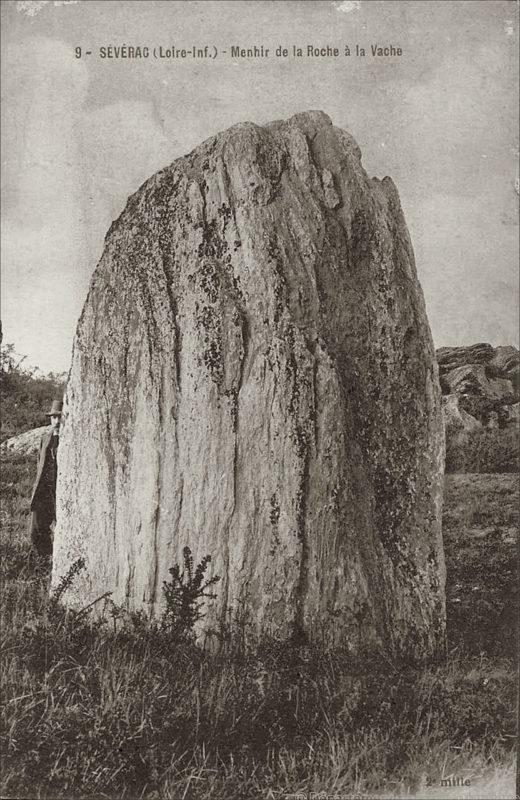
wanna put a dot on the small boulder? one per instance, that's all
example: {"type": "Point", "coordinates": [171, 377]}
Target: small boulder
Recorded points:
{"type": "Point", "coordinates": [25, 443]}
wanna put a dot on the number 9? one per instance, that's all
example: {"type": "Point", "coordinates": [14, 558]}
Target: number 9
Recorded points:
{"type": "Point", "coordinates": [77, 50]}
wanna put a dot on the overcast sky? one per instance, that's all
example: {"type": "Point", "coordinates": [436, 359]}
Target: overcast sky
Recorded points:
{"type": "Point", "coordinates": [80, 135]}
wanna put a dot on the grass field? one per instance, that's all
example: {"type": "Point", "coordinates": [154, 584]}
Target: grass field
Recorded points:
{"type": "Point", "coordinates": [102, 712]}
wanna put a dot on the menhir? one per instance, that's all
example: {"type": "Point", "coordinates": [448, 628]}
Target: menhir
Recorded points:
{"type": "Point", "coordinates": [253, 376]}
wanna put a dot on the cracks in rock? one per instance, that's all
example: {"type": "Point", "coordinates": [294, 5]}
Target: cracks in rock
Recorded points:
{"type": "Point", "coordinates": [229, 191]}
{"type": "Point", "coordinates": [275, 183]}
{"type": "Point", "coordinates": [108, 446]}
{"type": "Point", "coordinates": [300, 436]}
{"type": "Point", "coordinates": [157, 513]}
{"type": "Point", "coordinates": [285, 166]}
{"type": "Point", "coordinates": [130, 575]}
{"type": "Point", "coordinates": [226, 574]}
{"type": "Point", "coordinates": [313, 156]}
{"type": "Point", "coordinates": [226, 531]}
{"type": "Point", "coordinates": [155, 578]}
{"type": "Point", "coordinates": [281, 289]}
{"type": "Point", "coordinates": [303, 578]}
{"type": "Point", "coordinates": [160, 398]}
{"type": "Point", "coordinates": [126, 353]}
{"type": "Point", "coordinates": [204, 209]}
{"type": "Point", "coordinates": [152, 330]}
{"type": "Point", "coordinates": [181, 500]}
{"type": "Point", "coordinates": [246, 339]}
{"type": "Point", "coordinates": [314, 411]}
{"type": "Point", "coordinates": [270, 416]}
{"type": "Point", "coordinates": [166, 259]}
{"type": "Point", "coordinates": [245, 332]}
{"type": "Point", "coordinates": [213, 257]}
{"type": "Point", "coordinates": [176, 327]}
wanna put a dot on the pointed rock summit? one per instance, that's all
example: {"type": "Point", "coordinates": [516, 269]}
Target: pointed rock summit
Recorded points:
{"type": "Point", "coordinates": [253, 376]}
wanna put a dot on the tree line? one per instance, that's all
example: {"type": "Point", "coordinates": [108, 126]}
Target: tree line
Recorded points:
{"type": "Point", "coordinates": [26, 392]}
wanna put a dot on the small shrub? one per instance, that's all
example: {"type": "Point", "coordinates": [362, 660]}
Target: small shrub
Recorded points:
{"type": "Point", "coordinates": [183, 595]}
{"type": "Point", "coordinates": [66, 581]}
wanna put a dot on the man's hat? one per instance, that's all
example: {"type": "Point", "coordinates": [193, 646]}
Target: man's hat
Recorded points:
{"type": "Point", "coordinates": [56, 408]}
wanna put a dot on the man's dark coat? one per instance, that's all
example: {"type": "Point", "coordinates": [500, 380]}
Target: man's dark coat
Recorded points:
{"type": "Point", "coordinates": [45, 442]}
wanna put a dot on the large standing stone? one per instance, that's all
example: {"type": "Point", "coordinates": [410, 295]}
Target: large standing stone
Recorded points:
{"type": "Point", "coordinates": [253, 376]}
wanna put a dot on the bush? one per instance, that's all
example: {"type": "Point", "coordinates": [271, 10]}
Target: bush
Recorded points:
{"type": "Point", "coordinates": [481, 407]}
{"type": "Point", "coordinates": [26, 395]}
{"type": "Point", "coordinates": [483, 596]}
{"type": "Point", "coordinates": [184, 593]}
{"type": "Point", "coordinates": [480, 521]}
{"type": "Point", "coordinates": [483, 451]}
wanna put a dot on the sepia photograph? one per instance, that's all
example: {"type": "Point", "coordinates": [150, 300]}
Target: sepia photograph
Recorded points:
{"type": "Point", "coordinates": [260, 387]}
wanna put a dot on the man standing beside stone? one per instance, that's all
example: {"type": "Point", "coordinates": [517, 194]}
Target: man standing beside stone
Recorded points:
{"type": "Point", "coordinates": [43, 498]}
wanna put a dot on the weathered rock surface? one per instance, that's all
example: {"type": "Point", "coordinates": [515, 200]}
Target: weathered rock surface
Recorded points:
{"type": "Point", "coordinates": [482, 382]}
{"type": "Point", "coordinates": [455, 418]}
{"type": "Point", "coordinates": [506, 362]}
{"type": "Point", "coordinates": [25, 443]}
{"type": "Point", "coordinates": [451, 357]}
{"type": "Point", "coordinates": [253, 376]}
{"type": "Point", "coordinates": [514, 413]}
{"type": "Point", "coordinates": [472, 379]}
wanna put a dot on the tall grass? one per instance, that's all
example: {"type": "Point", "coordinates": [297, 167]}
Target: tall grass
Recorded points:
{"type": "Point", "coordinates": [483, 451]}
{"type": "Point", "coordinates": [99, 710]}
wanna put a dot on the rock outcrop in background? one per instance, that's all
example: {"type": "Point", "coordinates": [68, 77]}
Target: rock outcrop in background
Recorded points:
{"type": "Point", "coordinates": [253, 376]}
{"type": "Point", "coordinates": [480, 386]}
